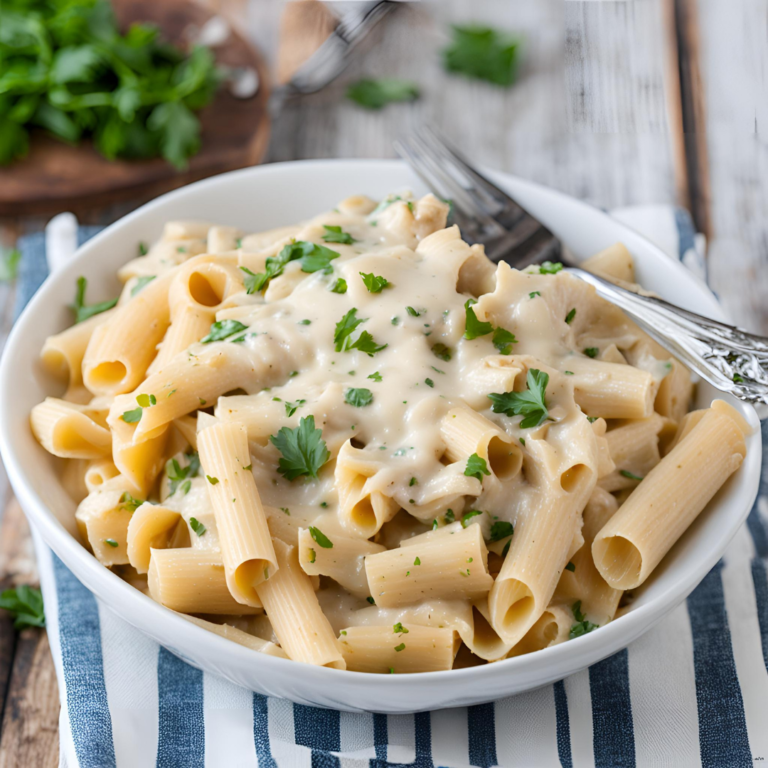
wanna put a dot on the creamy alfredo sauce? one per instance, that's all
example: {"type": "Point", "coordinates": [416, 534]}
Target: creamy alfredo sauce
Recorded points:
{"type": "Point", "coordinates": [425, 368]}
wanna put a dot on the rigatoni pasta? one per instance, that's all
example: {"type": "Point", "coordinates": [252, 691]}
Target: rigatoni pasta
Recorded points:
{"type": "Point", "coordinates": [357, 443]}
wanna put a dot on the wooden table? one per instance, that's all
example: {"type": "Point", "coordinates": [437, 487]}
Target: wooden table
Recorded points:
{"type": "Point", "coordinates": [618, 103]}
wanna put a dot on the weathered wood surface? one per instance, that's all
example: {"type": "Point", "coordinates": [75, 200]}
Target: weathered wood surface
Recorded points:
{"type": "Point", "coordinates": [618, 103]}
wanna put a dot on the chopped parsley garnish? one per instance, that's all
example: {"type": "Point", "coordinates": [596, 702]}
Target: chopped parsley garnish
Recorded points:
{"type": "Point", "coordinates": [180, 249]}
{"type": "Point", "coordinates": [111, 542]}
{"type": "Point", "coordinates": [286, 511]}
{"type": "Point", "coordinates": [305, 322]}
{"type": "Point", "coordinates": [442, 352]}
{"type": "Point", "coordinates": [449, 517]}
{"type": "Point", "coordinates": [303, 448]}
{"type": "Point", "coordinates": [522, 441]}
{"type": "Point", "coordinates": [413, 481]}
{"type": "Point", "coordinates": [334, 234]}
{"type": "Point", "coordinates": [312, 558]}
{"type": "Point", "coordinates": [569, 317]}
{"type": "Point", "coordinates": [570, 567]}
{"type": "Point", "coordinates": [434, 524]}
{"type": "Point", "coordinates": [238, 242]}
{"type": "Point", "coordinates": [501, 529]}
{"type": "Point", "coordinates": [530, 403]}
{"type": "Point", "coordinates": [197, 526]}
{"type": "Point", "coordinates": [291, 408]}
{"type": "Point", "coordinates": [320, 538]}
{"type": "Point", "coordinates": [146, 401]}
{"type": "Point", "coordinates": [371, 600]}
{"type": "Point", "coordinates": [533, 294]}
{"type": "Point", "coordinates": [374, 283]}
{"type": "Point", "coordinates": [339, 286]}
{"type": "Point", "coordinates": [399, 629]}
{"type": "Point", "coordinates": [738, 378]}
{"type": "Point", "coordinates": [84, 311]}
{"type": "Point", "coordinates": [400, 647]}
{"type": "Point", "coordinates": [568, 373]}
{"type": "Point", "coordinates": [550, 268]}
{"type": "Point", "coordinates": [413, 312]}
{"type": "Point", "coordinates": [472, 513]}
{"type": "Point", "coordinates": [358, 397]}
{"type": "Point", "coordinates": [342, 336]}
{"type": "Point", "coordinates": [437, 370]}
{"type": "Point", "coordinates": [140, 283]}
{"type": "Point", "coordinates": [503, 341]}
{"type": "Point", "coordinates": [376, 376]}
{"type": "Point", "coordinates": [143, 250]}
{"type": "Point", "coordinates": [474, 327]}
{"type": "Point", "coordinates": [128, 502]}
{"type": "Point", "coordinates": [313, 258]}
{"type": "Point", "coordinates": [506, 548]}
{"type": "Point", "coordinates": [582, 626]}
{"type": "Point", "coordinates": [131, 417]}
{"type": "Point", "coordinates": [377, 93]}
{"type": "Point", "coordinates": [25, 604]}
{"type": "Point", "coordinates": [177, 474]}
{"type": "Point", "coordinates": [429, 382]}
{"type": "Point", "coordinates": [629, 475]}
{"type": "Point", "coordinates": [591, 351]}
{"type": "Point", "coordinates": [222, 330]}
{"type": "Point", "coordinates": [482, 53]}
{"type": "Point", "coordinates": [476, 467]}
{"type": "Point", "coordinates": [592, 419]}
{"type": "Point", "coordinates": [212, 480]}
{"type": "Point", "coordinates": [417, 561]}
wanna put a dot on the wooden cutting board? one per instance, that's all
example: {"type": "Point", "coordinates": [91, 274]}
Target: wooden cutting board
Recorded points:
{"type": "Point", "coordinates": [56, 177]}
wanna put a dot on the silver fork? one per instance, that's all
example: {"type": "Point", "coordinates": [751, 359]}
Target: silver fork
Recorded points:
{"type": "Point", "coordinates": [729, 358]}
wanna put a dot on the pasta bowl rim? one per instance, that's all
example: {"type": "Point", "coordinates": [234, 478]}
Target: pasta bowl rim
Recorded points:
{"type": "Point", "coordinates": [352, 691]}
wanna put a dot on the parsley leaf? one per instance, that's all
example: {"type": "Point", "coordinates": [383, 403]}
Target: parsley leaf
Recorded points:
{"type": "Point", "coordinates": [131, 417]}
{"type": "Point", "coordinates": [582, 626]}
{"type": "Point", "coordinates": [340, 286]}
{"type": "Point", "coordinates": [222, 330]}
{"type": "Point", "coordinates": [335, 234]}
{"type": "Point", "coordinates": [292, 407]}
{"type": "Point", "coordinates": [140, 283]}
{"type": "Point", "coordinates": [550, 268]}
{"type": "Point", "coordinates": [569, 317]}
{"type": "Point", "coordinates": [629, 475]}
{"type": "Point", "coordinates": [482, 53]}
{"type": "Point", "coordinates": [177, 474]}
{"type": "Point", "coordinates": [376, 376]}
{"type": "Point", "coordinates": [358, 397]}
{"type": "Point", "coordinates": [197, 526]}
{"type": "Point", "coordinates": [476, 467]}
{"type": "Point", "coordinates": [472, 513]}
{"type": "Point", "coordinates": [81, 309]}
{"type": "Point", "coordinates": [344, 329]}
{"type": "Point", "coordinates": [474, 327]}
{"type": "Point", "coordinates": [303, 448]}
{"type": "Point", "coordinates": [399, 629]}
{"type": "Point", "coordinates": [128, 502]}
{"type": "Point", "coordinates": [320, 538]}
{"type": "Point", "coordinates": [25, 604]}
{"type": "Point", "coordinates": [531, 403]}
{"type": "Point", "coordinates": [375, 94]}
{"type": "Point", "coordinates": [570, 567]}
{"type": "Point", "coordinates": [313, 258]}
{"type": "Point", "coordinates": [501, 529]}
{"type": "Point", "coordinates": [412, 312]}
{"type": "Point", "coordinates": [591, 351]}
{"type": "Point", "coordinates": [366, 343]}
{"type": "Point", "coordinates": [442, 352]}
{"type": "Point", "coordinates": [375, 283]}
{"type": "Point", "coordinates": [503, 341]}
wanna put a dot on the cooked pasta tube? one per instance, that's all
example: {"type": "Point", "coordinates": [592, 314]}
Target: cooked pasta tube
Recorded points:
{"type": "Point", "coordinates": [614, 261]}
{"type": "Point", "coordinates": [668, 500]}
{"type": "Point", "coordinates": [448, 566]}
{"type": "Point", "coordinates": [223, 239]}
{"type": "Point", "coordinates": [495, 373]}
{"type": "Point", "coordinates": [204, 283]}
{"type": "Point", "coordinates": [301, 627]}
{"type": "Point", "coordinates": [193, 581]}
{"type": "Point", "coordinates": [581, 580]}
{"type": "Point", "coordinates": [73, 479]}
{"type": "Point", "coordinates": [121, 349]}
{"type": "Point", "coordinates": [551, 628]}
{"type": "Point", "coordinates": [189, 324]}
{"type": "Point", "coordinates": [185, 229]}
{"type": "Point", "coordinates": [415, 649]}
{"type": "Point", "coordinates": [64, 429]}
{"type": "Point", "coordinates": [634, 449]}
{"type": "Point", "coordinates": [675, 391]}
{"type": "Point", "coordinates": [103, 518]}
{"type": "Point", "coordinates": [246, 544]}
{"type": "Point", "coordinates": [537, 554]}
{"type": "Point", "coordinates": [239, 636]}
{"type": "Point", "coordinates": [187, 428]}
{"type": "Point", "coordinates": [139, 463]}
{"type": "Point", "coordinates": [466, 432]}
{"type": "Point", "coordinates": [62, 354]}
{"type": "Point", "coordinates": [610, 390]}
{"type": "Point", "coordinates": [151, 527]}
{"type": "Point", "coordinates": [98, 472]}
{"type": "Point", "coordinates": [484, 640]}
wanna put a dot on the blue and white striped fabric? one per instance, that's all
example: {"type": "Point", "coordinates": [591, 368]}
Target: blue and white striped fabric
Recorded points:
{"type": "Point", "coordinates": [692, 691]}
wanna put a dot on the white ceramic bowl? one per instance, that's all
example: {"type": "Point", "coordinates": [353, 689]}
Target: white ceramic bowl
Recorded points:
{"type": "Point", "coordinates": [274, 195]}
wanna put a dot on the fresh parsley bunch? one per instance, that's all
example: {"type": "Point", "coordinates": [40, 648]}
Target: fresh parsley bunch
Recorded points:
{"type": "Point", "coordinates": [65, 68]}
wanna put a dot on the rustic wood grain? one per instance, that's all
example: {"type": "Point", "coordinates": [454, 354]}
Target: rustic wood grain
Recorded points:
{"type": "Point", "coordinates": [234, 133]}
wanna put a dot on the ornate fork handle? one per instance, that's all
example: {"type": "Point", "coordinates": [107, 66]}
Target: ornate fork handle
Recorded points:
{"type": "Point", "coordinates": [727, 357]}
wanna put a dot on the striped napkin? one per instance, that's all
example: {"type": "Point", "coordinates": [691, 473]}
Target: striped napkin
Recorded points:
{"type": "Point", "coordinates": [692, 691]}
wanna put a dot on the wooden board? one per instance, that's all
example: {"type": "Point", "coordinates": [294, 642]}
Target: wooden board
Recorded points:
{"type": "Point", "coordinates": [235, 132]}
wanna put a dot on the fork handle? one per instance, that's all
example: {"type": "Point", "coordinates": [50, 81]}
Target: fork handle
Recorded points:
{"type": "Point", "coordinates": [729, 358]}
